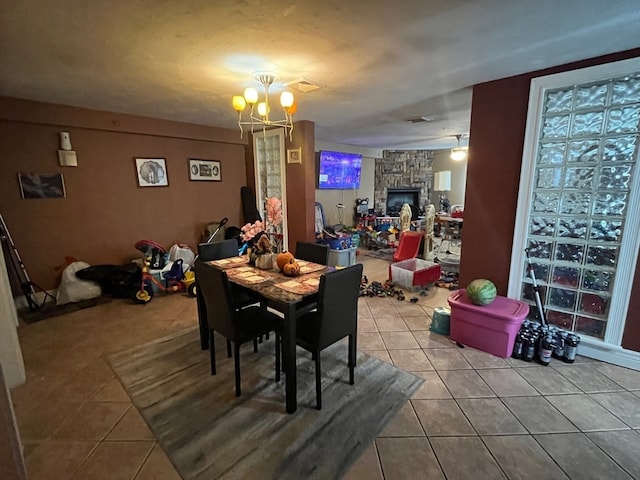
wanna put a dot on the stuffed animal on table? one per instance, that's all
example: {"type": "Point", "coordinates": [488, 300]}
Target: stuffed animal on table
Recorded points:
{"type": "Point", "coordinates": [262, 244]}
{"type": "Point", "coordinates": [261, 252]}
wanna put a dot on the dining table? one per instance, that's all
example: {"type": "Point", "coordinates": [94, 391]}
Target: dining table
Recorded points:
{"type": "Point", "coordinates": [287, 295]}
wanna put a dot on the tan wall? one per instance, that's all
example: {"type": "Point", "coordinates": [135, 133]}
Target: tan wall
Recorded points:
{"type": "Point", "coordinates": [105, 212]}
{"type": "Point", "coordinates": [498, 118]}
{"type": "Point", "coordinates": [442, 162]}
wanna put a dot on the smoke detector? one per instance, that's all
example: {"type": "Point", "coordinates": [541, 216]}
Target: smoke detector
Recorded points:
{"type": "Point", "coordinates": [303, 85]}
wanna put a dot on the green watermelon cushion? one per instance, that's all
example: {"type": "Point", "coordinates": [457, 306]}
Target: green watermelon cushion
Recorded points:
{"type": "Point", "coordinates": [481, 291]}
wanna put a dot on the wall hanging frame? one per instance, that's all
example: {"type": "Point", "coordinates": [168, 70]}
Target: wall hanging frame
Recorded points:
{"type": "Point", "coordinates": [42, 185]}
{"type": "Point", "coordinates": [294, 155]}
{"type": "Point", "coordinates": [204, 170]}
{"type": "Point", "coordinates": [151, 172]}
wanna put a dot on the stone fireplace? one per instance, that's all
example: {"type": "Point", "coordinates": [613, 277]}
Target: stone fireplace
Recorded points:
{"type": "Point", "coordinates": [402, 175]}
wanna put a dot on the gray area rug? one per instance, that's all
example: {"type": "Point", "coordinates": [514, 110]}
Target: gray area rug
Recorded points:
{"type": "Point", "coordinates": [208, 433]}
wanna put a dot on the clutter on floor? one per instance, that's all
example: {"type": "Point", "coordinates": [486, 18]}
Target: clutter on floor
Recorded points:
{"type": "Point", "coordinates": [386, 289]}
{"type": "Point", "coordinates": [448, 280]}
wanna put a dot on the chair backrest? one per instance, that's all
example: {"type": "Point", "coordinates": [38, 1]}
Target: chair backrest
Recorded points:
{"type": "Point", "coordinates": [215, 290]}
{"type": "Point", "coordinates": [430, 218]}
{"type": "Point", "coordinates": [312, 252]}
{"type": "Point", "coordinates": [338, 295]}
{"type": "Point", "coordinates": [217, 250]}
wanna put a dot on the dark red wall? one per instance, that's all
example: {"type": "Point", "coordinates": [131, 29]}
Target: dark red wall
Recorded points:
{"type": "Point", "coordinates": [498, 118]}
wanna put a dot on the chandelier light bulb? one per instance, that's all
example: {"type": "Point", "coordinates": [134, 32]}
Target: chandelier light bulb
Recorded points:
{"type": "Point", "coordinates": [251, 95]}
{"type": "Point", "coordinates": [286, 99]}
{"type": "Point", "coordinates": [262, 109]}
{"type": "Point", "coordinates": [293, 108]}
{"type": "Point", "coordinates": [239, 103]}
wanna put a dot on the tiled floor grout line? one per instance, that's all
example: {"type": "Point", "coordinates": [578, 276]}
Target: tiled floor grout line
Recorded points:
{"type": "Point", "coordinates": [395, 308]}
{"type": "Point", "coordinates": [501, 399]}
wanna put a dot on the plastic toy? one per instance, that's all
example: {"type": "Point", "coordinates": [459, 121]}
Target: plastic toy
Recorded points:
{"type": "Point", "coordinates": [175, 280]}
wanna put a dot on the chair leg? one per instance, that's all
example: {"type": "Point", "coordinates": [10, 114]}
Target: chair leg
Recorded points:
{"type": "Point", "coordinates": [236, 354]}
{"type": "Point", "coordinates": [255, 344]}
{"type": "Point", "coordinates": [277, 341]}
{"type": "Point", "coordinates": [212, 352]}
{"type": "Point", "coordinates": [318, 382]}
{"type": "Point", "coordinates": [352, 357]}
{"type": "Point", "coordinates": [202, 324]}
{"type": "Point", "coordinates": [228, 348]}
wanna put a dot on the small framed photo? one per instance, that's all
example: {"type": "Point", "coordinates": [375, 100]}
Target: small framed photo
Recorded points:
{"type": "Point", "coordinates": [151, 172]}
{"type": "Point", "coordinates": [294, 155]}
{"type": "Point", "coordinates": [42, 185]}
{"type": "Point", "coordinates": [207, 170]}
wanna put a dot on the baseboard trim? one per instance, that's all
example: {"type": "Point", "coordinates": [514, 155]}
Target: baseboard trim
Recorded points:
{"type": "Point", "coordinates": [605, 352]}
{"type": "Point", "coordinates": [21, 301]}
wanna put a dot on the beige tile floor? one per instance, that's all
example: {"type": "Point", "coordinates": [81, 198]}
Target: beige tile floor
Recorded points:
{"type": "Point", "coordinates": [475, 416]}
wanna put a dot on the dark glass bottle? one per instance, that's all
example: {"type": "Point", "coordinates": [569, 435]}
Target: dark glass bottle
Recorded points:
{"type": "Point", "coordinates": [517, 346]}
{"type": "Point", "coordinates": [546, 348]}
{"type": "Point", "coordinates": [530, 352]}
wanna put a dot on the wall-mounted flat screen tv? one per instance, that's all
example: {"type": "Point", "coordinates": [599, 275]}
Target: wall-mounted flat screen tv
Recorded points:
{"type": "Point", "coordinates": [339, 170]}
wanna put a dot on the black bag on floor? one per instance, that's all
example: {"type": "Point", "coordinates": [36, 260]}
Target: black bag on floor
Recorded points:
{"type": "Point", "coordinates": [118, 281]}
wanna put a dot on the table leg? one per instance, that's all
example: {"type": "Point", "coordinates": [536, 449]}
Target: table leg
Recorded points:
{"type": "Point", "coordinates": [289, 358]}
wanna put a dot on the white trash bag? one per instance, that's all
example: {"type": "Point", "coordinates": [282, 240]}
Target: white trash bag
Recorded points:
{"type": "Point", "coordinates": [182, 251]}
{"type": "Point", "coordinates": [72, 289]}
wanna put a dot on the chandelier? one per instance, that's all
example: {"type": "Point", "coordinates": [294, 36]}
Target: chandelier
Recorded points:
{"type": "Point", "coordinates": [458, 153]}
{"type": "Point", "coordinates": [263, 108]}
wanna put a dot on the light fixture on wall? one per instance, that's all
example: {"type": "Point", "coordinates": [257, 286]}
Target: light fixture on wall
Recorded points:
{"type": "Point", "coordinates": [263, 108]}
{"type": "Point", "coordinates": [442, 183]}
{"type": "Point", "coordinates": [458, 153]}
{"type": "Point", "coordinates": [66, 156]}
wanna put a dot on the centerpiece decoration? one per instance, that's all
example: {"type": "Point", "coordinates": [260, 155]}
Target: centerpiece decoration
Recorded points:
{"type": "Point", "coordinates": [287, 264]}
{"type": "Point", "coordinates": [274, 223]}
{"type": "Point", "coordinates": [259, 247]}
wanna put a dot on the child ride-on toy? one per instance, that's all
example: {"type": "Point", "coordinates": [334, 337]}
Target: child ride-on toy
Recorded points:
{"type": "Point", "coordinates": [175, 281]}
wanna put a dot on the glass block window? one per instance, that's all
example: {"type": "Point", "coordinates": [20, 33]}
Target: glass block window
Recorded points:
{"type": "Point", "coordinates": [270, 180]}
{"type": "Point", "coordinates": [586, 156]}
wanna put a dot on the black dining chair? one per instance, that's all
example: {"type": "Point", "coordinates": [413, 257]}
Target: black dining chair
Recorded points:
{"type": "Point", "coordinates": [316, 253]}
{"type": "Point", "coordinates": [335, 318]}
{"type": "Point", "coordinates": [312, 252]}
{"type": "Point", "coordinates": [216, 251]}
{"type": "Point", "coordinates": [237, 325]}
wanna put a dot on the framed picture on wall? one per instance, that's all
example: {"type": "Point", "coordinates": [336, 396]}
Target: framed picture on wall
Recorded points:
{"type": "Point", "coordinates": [207, 170]}
{"type": "Point", "coordinates": [152, 172]}
{"type": "Point", "coordinates": [41, 185]}
{"type": "Point", "coordinates": [294, 155]}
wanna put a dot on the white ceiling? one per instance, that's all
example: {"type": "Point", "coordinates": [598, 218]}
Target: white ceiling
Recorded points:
{"type": "Point", "coordinates": [380, 62]}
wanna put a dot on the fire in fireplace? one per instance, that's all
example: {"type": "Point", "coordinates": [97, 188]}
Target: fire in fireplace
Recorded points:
{"type": "Point", "coordinates": [396, 197]}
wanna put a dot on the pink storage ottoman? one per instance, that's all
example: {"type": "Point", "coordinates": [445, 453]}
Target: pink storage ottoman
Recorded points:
{"type": "Point", "coordinates": [491, 328]}
{"type": "Point", "coordinates": [414, 274]}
